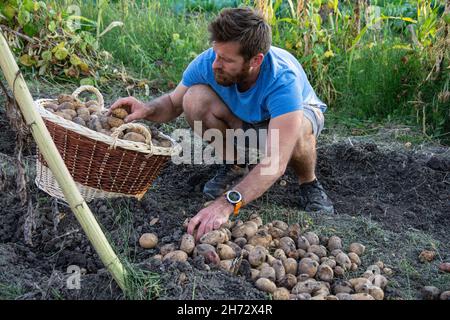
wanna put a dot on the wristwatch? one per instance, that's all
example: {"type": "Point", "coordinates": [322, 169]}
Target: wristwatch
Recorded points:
{"type": "Point", "coordinates": [235, 198]}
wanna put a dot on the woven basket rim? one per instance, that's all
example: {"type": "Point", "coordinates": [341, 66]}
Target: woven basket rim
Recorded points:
{"type": "Point", "coordinates": [101, 137]}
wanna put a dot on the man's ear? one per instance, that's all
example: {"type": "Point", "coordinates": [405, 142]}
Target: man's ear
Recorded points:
{"type": "Point", "coordinates": [257, 60]}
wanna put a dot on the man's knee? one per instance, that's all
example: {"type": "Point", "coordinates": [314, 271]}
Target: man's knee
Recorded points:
{"type": "Point", "coordinates": [196, 100]}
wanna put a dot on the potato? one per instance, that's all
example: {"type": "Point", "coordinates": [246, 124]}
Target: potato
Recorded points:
{"type": "Point", "coordinates": [276, 233]}
{"type": "Point", "coordinates": [241, 241]}
{"type": "Point", "coordinates": [287, 245]}
{"type": "Point", "coordinates": [290, 266]}
{"type": "Point", "coordinates": [165, 143]}
{"type": "Point", "coordinates": [288, 281]}
{"type": "Point", "coordinates": [52, 107]}
{"type": "Point", "coordinates": [339, 271]}
{"type": "Point", "coordinates": [69, 113]}
{"type": "Point", "coordinates": [376, 292]}
{"type": "Point", "coordinates": [176, 255]}
{"type": "Point", "coordinates": [279, 254]}
{"type": "Point", "coordinates": [357, 248]}
{"type": "Point", "coordinates": [270, 259]}
{"type": "Point", "coordinates": [334, 243]}
{"type": "Point", "coordinates": [254, 274]}
{"type": "Point", "coordinates": [308, 266]}
{"type": "Point", "coordinates": [445, 295]}
{"type": "Point", "coordinates": [313, 256]}
{"type": "Point", "coordinates": [261, 238]}
{"type": "Point", "coordinates": [78, 104]}
{"type": "Point", "coordinates": [379, 281]}
{"type": "Point", "coordinates": [380, 264]}
{"type": "Point", "coordinates": [226, 265]}
{"type": "Point", "coordinates": [119, 113]}
{"type": "Point", "coordinates": [344, 296]}
{"type": "Point", "coordinates": [388, 271]}
{"type": "Point", "coordinates": [257, 256]}
{"type": "Point", "coordinates": [303, 243]}
{"type": "Point", "coordinates": [318, 250]}
{"type": "Point", "coordinates": [281, 294]}
{"type": "Point", "coordinates": [79, 121]}
{"type": "Point", "coordinates": [300, 296]}
{"type": "Point", "coordinates": [115, 122]}
{"type": "Point", "coordinates": [213, 237]}
{"type": "Point", "coordinates": [84, 114]}
{"type": "Point", "coordinates": [374, 269]}
{"type": "Point", "coordinates": [94, 124]}
{"type": "Point", "coordinates": [325, 273]}
{"type": "Point", "coordinates": [148, 240]}
{"type": "Point", "coordinates": [444, 266]}
{"type": "Point", "coordinates": [307, 286]}
{"type": "Point", "coordinates": [91, 103]}
{"type": "Point", "coordinates": [280, 225]}
{"type": "Point", "coordinates": [94, 109]}
{"type": "Point", "coordinates": [430, 293]}
{"type": "Point", "coordinates": [65, 98]}
{"type": "Point", "coordinates": [265, 285]}
{"type": "Point", "coordinates": [208, 252]}
{"type": "Point", "coordinates": [165, 249]}
{"type": "Point", "coordinates": [256, 219]}
{"type": "Point", "coordinates": [343, 287]}
{"type": "Point", "coordinates": [247, 230]}
{"type": "Point", "coordinates": [354, 267]}
{"type": "Point", "coordinates": [358, 283]}
{"type": "Point", "coordinates": [312, 238]}
{"type": "Point", "coordinates": [294, 231]}
{"type": "Point", "coordinates": [249, 247]}
{"type": "Point", "coordinates": [237, 250]}
{"type": "Point", "coordinates": [268, 272]}
{"type": "Point", "coordinates": [225, 252]}
{"type": "Point", "coordinates": [158, 257]}
{"type": "Point", "coordinates": [362, 296]}
{"type": "Point", "coordinates": [104, 121]}
{"type": "Point", "coordinates": [329, 262]}
{"type": "Point", "coordinates": [300, 253]}
{"type": "Point", "coordinates": [280, 272]}
{"type": "Point", "coordinates": [354, 258]}
{"type": "Point", "coordinates": [335, 252]}
{"type": "Point", "coordinates": [344, 261]}
{"type": "Point", "coordinates": [66, 105]}
{"type": "Point", "coordinates": [302, 277]}
{"type": "Point", "coordinates": [187, 243]}
{"type": "Point", "coordinates": [64, 115]}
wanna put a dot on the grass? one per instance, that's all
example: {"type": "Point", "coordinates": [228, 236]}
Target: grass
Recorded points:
{"type": "Point", "coordinates": [9, 291]}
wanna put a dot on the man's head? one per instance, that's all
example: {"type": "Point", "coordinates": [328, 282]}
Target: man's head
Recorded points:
{"type": "Point", "coordinates": [240, 39]}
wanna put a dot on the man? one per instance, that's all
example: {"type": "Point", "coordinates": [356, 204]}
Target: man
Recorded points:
{"type": "Point", "coordinates": [244, 82]}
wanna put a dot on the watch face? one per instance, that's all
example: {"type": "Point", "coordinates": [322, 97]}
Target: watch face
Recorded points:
{"type": "Point", "coordinates": [234, 196]}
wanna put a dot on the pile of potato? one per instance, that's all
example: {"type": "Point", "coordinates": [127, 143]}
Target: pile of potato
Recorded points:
{"type": "Point", "coordinates": [90, 115]}
{"type": "Point", "coordinates": [282, 260]}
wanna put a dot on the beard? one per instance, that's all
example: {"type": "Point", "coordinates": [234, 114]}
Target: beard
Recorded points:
{"type": "Point", "coordinates": [226, 79]}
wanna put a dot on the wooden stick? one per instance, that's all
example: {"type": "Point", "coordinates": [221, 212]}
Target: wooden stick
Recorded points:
{"type": "Point", "coordinates": [56, 164]}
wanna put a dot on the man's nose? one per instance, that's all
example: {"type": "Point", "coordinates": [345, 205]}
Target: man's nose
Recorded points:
{"type": "Point", "coordinates": [217, 64]}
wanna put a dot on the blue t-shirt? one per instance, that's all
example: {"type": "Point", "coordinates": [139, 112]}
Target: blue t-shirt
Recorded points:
{"type": "Point", "coordinates": [281, 87]}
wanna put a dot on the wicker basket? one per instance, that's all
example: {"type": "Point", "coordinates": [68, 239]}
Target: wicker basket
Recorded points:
{"type": "Point", "coordinates": [102, 166]}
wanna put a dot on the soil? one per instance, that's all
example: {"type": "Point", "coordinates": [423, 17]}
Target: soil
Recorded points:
{"type": "Point", "coordinates": [399, 188]}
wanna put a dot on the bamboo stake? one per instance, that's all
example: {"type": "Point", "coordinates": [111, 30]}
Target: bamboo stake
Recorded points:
{"type": "Point", "coordinates": [56, 164]}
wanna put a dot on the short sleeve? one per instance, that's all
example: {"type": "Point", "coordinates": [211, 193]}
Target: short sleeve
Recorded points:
{"type": "Point", "coordinates": [194, 73]}
{"type": "Point", "coordinates": [286, 96]}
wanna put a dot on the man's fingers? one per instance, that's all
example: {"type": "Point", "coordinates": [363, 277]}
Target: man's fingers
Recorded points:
{"type": "Point", "coordinates": [192, 225]}
{"type": "Point", "coordinates": [130, 117]}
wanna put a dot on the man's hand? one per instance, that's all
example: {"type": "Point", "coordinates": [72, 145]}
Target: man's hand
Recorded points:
{"type": "Point", "coordinates": [138, 110]}
{"type": "Point", "coordinates": [210, 218]}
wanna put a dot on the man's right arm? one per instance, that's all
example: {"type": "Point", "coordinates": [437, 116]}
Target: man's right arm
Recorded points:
{"type": "Point", "coordinates": [168, 106]}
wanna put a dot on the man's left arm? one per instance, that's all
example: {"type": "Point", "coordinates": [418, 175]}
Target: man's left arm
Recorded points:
{"type": "Point", "coordinates": [278, 153]}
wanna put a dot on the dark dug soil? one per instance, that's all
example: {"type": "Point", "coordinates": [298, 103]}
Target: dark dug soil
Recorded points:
{"type": "Point", "coordinates": [399, 189]}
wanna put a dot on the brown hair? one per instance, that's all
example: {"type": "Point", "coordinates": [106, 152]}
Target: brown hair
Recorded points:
{"type": "Point", "coordinates": [245, 26]}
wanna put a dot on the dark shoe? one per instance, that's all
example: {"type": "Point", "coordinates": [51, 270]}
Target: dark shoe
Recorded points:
{"type": "Point", "coordinates": [227, 175]}
{"type": "Point", "coordinates": [314, 199]}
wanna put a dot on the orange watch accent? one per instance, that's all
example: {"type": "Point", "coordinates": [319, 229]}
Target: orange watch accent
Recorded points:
{"type": "Point", "coordinates": [235, 198]}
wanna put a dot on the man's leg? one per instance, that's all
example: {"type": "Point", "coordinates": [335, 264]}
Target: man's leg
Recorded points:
{"type": "Point", "coordinates": [201, 103]}
{"type": "Point", "coordinates": [303, 161]}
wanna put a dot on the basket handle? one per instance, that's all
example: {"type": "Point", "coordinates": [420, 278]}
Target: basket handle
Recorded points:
{"type": "Point", "coordinates": [92, 89]}
{"type": "Point", "coordinates": [135, 126]}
